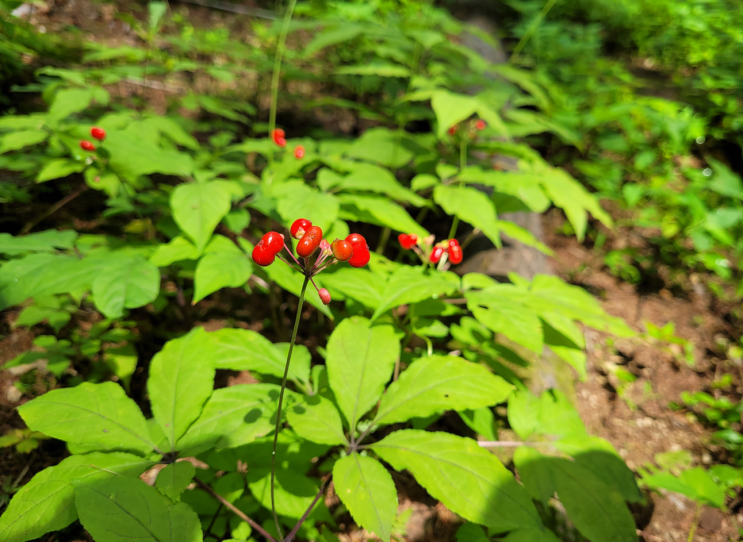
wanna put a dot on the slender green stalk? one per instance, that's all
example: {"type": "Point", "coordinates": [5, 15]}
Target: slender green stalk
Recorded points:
{"type": "Point", "coordinates": [281, 400]}
{"type": "Point", "coordinates": [694, 525]}
{"type": "Point", "coordinates": [383, 240]}
{"type": "Point", "coordinates": [532, 28]}
{"type": "Point", "coordinates": [277, 71]}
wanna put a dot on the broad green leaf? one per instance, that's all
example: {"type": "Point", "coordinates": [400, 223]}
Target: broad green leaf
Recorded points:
{"type": "Point", "coordinates": [471, 206]}
{"type": "Point", "coordinates": [332, 36]}
{"type": "Point", "coordinates": [173, 479]}
{"type": "Point", "coordinates": [367, 490]}
{"type": "Point", "coordinates": [58, 168]}
{"type": "Point", "coordinates": [19, 278]}
{"type": "Point", "coordinates": [294, 491]}
{"type": "Point", "coordinates": [179, 248]}
{"type": "Point", "coordinates": [132, 155]}
{"type": "Point", "coordinates": [423, 181]}
{"type": "Point", "coordinates": [181, 380]}
{"type": "Point", "coordinates": [380, 69]}
{"type": "Point", "coordinates": [380, 211]}
{"type": "Point", "coordinates": [439, 383]}
{"type": "Point", "coordinates": [18, 140]}
{"type": "Point", "coordinates": [231, 417]}
{"type": "Point", "coordinates": [451, 109]}
{"type": "Point", "coordinates": [359, 284]}
{"type": "Point", "coordinates": [481, 421]}
{"type": "Point", "coordinates": [100, 415]}
{"type": "Point", "coordinates": [371, 178]}
{"type": "Point", "coordinates": [126, 284]}
{"type": "Point", "coordinates": [469, 532]}
{"type": "Point", "coordinates": [69, 101]}
{"type": "Point", "coordinates": [531, 535]}
{"type": "Point", "coordinates": [199, 207]}
{"type": "Point", "coordinates": [122, 360]}
{"type": "Point", "coordinates": [411, 285]}
{"type": "Point", "coordinates": [121, 509]}
{"type": "Point", "coordinates": [522, 235]}
{"type": "Point", "coordinates": [298, 199]}
{"type": "Point", "coordinates": [596, 509]}
{"type": "Point", "coordinates": [360, 361]}
{"type": "Point", "coordinates": [174, 131]}
{"type": "Point", "coordinates": [382, 146]}
{"type": "Point", "coordinates": [45, 241]}
{"type": "Point", "coordinates": [300, 363]}
{"type": "Point", "coordinates": [696, 483]}
{"type": "Point", "coordinates": [221, 269]}
{"type": "Point", "coordinates": [467, 479]}
{"type": "Point", "coordinates": [551, 414]}
{"type": "Point", "coordinates": [317, 420]}
{"type": "Point", "coordinates": [46, 503]}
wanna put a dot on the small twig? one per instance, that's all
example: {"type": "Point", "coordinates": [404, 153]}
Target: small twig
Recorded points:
{"type": "Point", "coordinates": [293, 532]}
{"type": "Point", "coordinates": [239, 513]}
{"type": "Point", "coordinates": [214, 519]}
{"type": "Point", "coordinates": [53, 209]}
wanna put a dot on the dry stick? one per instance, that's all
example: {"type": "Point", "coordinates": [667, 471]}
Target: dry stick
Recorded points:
{"type": "Point", "coordinates": [281, 400]}
{"type": "Point", "coordinates": [294, 531]}
{"type": "Point", "coordinates": [239, 513]}
{"type": "Point", "coordinates": [53, 209]}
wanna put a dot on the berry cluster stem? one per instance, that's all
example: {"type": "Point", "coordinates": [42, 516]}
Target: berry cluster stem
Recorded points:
{"type": "Point", "coordinates": [307, 277]}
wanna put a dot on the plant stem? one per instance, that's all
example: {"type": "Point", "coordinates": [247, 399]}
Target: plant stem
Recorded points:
{"type": "Point", "coordinates": [532, 28]}
{"type": "Point", "coordinates": [693, 529]}
{"type": "Point", "coordinates": [294, 531]}
{"type": "Point", "coordinates": [239, 513]}
{"type": "Point", "coordinates": [277, 71]}
{"type": "Point", "coordinates": [281, 400]}
{"type": "Point", "coordinates": [462, 165]}
{"type": "Point", "coordinates": [53, 209]}
{"type": "Point", "coordinates": [383, 240]}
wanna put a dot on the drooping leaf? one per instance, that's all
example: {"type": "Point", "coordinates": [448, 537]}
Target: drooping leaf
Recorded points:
{"type": "Point", "coordinates": [173, 479]}
{"type": "Point", "coordinates": [127, 283]}
{"type": "Point", "coordinates": [372, 178]}
{"type": "Point", "coordinates": [45, 241]}
{"type": "Point", "coordinates": [469, 480]}
{"type": "Point", "coordinates": [367, 490]}
{"type": "Point", "coordinates": [411, 285]}
{"type": "Point", "coordinates": [18, 140]}
{"type": "Point", "coordinates": [439, 383]}
{"type": "Point", "coordinates": [99, 415]}
{"type": "Point", "coordinates": [380, 211]}
{"type": "Point", "coordinates": [471, 206]}
{"type": "Point", "coordinates": [360, 361]}
{"type": "Point", "coordinates": [119, 509]}
{"type": "Point", "coordinates": [179, 248]}
{"type": "Point", "coordinates": [317, 420]}
{"type": "Point", "coordinates": [181, 380]}
{"type": "Point", "coordinates": [58, 168]}
{"type": "Point", "coordinates": [46, 503]}
{"type": "Point", "coordinates": [199, 207]}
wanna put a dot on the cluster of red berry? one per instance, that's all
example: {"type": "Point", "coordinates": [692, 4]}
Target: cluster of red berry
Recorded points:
{"type": "Point", "coordinates": [96, 133]}
{"type": "Point", "coordinates": [479, 125]}
{"type": "Point", "coordinates": [353, 249]}
{"type": "Point", "coordinates": [279, 137]}
{"type": "Point", "coordinates": [450, 247]}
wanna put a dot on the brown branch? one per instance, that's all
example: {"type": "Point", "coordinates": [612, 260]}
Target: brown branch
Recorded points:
{"type": "Point", "coordinates": [239, 513]}
{"type": "Point", "coordinates": [53, 209]}
{"type": "Point", "coordinates": [294, 531]}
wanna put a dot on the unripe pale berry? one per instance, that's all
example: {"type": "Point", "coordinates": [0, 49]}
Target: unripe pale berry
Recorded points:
{"type": "Point", "coordinates": [324, 295]}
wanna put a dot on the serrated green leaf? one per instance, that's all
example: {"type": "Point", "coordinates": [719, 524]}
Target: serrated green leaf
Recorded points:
{"type": "Point", "coordinates": [367, 490]}
{"type": "Point", "coordinates": [120, 509]}
{"type": "Point", "coordinates": [99, 415]}
{"type": "Point", "coordinates": [439, 383]}
{"type": "Point", "coordinates": [469, 480]}
{"type": "Point", "coordinates": [126, 284]}
{"type": "Point", "coordinates": [317, 420]}
{"type": "Point", "coordinates": [173, 479]}
{"type": "Point", "coordinates": [471, 206]}
{"type": "Point", "coordinates": [360, 361]}
{"type": "Point", "coordinates": [199, 207]}
{"type": "Point", "coordinates": [58, 168]}
{"type": "Point", "coordinates": [181, 380]}
{"type": "Point", "coordinates": [411, 285]}
{"type": "Point", "coordinates": [18, 140]}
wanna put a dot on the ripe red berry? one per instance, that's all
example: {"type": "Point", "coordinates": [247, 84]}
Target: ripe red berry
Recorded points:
{"type": "Point", "coordinates": [436, 254]}
{"type": "Point", "coordinates": [281, 142]}
{"type": "Point", "coordinates": [453, 130]}
{"type": "Point", "coordinates": [455, 252]}
{"type": "Point", "coordinates": [262, 255]}
{"type": "Point", "coordinates": [278, 134]}
{"type": "Point", "coordinates": [300, 227]}
{"type": "Point", "coordinates": [98, 133]}
{"type": "Point", "coordinates": [299, 152]}
{"type": "Point", "coordinates": [407, 240]}
{"type": "Point", "coordinates": [480, 124]}
{"type": "Point", "coordinates": [309, 242]}
{"type": "Point", "coordinates": [274, 241]}
{"type": "Point", "coordinates": [324, 296]}
{"type": "Point", "coordinates": [361, 255]}
{"type": "Point", "coordinates": [87, 145]}
{"type": "Point", "coordinates": [342, 250]}
{"type": "Point", "coordinates": [356, 239]}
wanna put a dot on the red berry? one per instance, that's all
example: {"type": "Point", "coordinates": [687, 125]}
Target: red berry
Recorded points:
{"type": "Point", "coordinates": [274, 241]}
{"type": "Point", "coordinates": [324, 296]}
{"type": "Point", "coordinates": [299, 152]}
{"type": "Point", "coordinates": [87, 146]}
{"type": "Point", "coordinates": [98, 133]}
{"type": "Point", "coordinates": [455, 252]}
{"type": "Point", "coordinates": [300, 227]}
{"type": "Point", "coordinates": [480, 124]}
{"type": "Point", "coordinates": [356, 239]}
{"type": "Point", "coordinates": [278, 134]}
{"type": "Point", "coordinates": [436, 254]}
{"type": "Point", "coordinates": [407, 240]}
{"type": "Point", "coordinates": [342, 250]}
{"type": "Point", "coordinates": [361, 255]}
{"type": "Point", "coordinates": [309, 242]}
{"type": "Point", "coordinates": [453, 129]}
{"type": "Point", "coordinates": [262, 255]}
{"type": "Point", "coordinates": [281, 142]}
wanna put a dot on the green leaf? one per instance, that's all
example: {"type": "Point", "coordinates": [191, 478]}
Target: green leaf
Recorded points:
{"type": "Point", "coordinates": [317, 420]}
{"type": "Point", "coordinates": [173, 130]}
{"type": "Point", "coordinates": [179, 248]}
{"type": "Point", "coordinates": [100, 415]}
{"type": "Point", "coordinates": [360, 361]}
{"type": "Point", "coordinates": [379, 211]}
{"type": "Point", "coordinates": [469, 532]}
{"type": "Point", "coordinates": [69, 101]}
{"type": "Point", "coordinates": [232, 417]}
{"type": "Point", "coordinates": [551, 414]}
{"type": "Point", "coordinates": [18, 140]}
{"type": "Point", "coordinates": [181, 380]}
{"type": "Point", "coordinates": [471, 206]}
{"type": "Point", "coordinates": [367, 490]}
{"type": "Point", "coordinates": [332, 36]}
{"type": "Point", "coordinates": [133, 155]}
{"type": "Point", "coordinates": [380, 69]}
{"type": "Point", "coordinates": [371, 178]}
{"type": "Point", "coordinates": [59, 167]}
{"type": "Point", "coordinates": [122, 509]}
{"type": "Point", "coordinates": [467, 479]}
{"type": "Point", "coordinates": [199, 207]}
{"type": "Point", "coordinates": [294, 492]}
{"type": "Point", "coordinates": [451, 109]}
{"type": "Point", "coordinates": [298, 199]}
{"type": "Point", "coordinates": [122, 361]}
{"type": "Point", "coordinates": [481, 421]}
{"type": "Point", "coordinates": [359, 284]}
{"type": "Point", "coordinates": [45, 241]}
{"type": "Point", "coordinates": [440, 383]}
{"type": "Point", "coordinates": [126, 284]}
{"type": "Point", "coordinates": [382, 146]}
{"type": "Point", "coordinates": [412, 284]}
{"type": "Point", "coordinates": [224, 266]}
{"type": "Point", "coordinates": [491, 116]}
{"type": "Point", "coordinates": [46, 503]}
{"type": "Point", "coordinates": [173, 479]}
{"type": "Point", "coordinates": [291, 281]}
{"type": "Point", "coordinates": [522, 235]}
{"type": "Point", "coordinates": [597, 510]}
